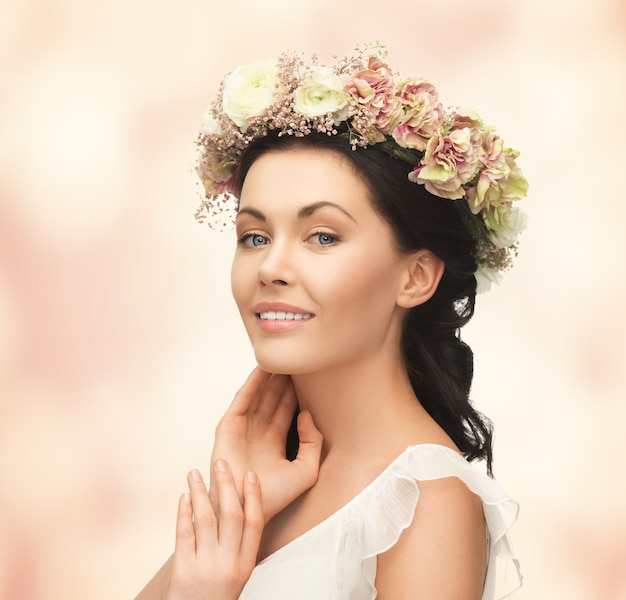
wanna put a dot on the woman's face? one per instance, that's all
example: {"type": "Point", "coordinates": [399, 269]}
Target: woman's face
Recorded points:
{"type": "Point", "coordinates": [316, 273]}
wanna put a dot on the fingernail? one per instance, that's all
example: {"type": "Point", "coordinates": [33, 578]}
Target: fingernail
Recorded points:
{"type": "Point", "coordinates": [252, 478]}
{"type": "Point", "coordinates": [195, 475]}
{"type": "Point", "coordinates": [220, 465]}
{"type": "Point", "coordinates": [186, 498]}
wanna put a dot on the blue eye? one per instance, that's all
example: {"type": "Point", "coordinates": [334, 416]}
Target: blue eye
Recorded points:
{"type": "Point", "coordinates": [324, 239]}
{"type": "Point", "coordinates": [253, 239]}
{"type": "Point", "coordinates": [258, 240]}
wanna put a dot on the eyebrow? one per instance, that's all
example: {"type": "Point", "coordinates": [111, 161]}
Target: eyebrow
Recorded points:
{"type": "Point", "coordinates": [303, 213]}
{"type": "Point", "coordinates": [257, 214]}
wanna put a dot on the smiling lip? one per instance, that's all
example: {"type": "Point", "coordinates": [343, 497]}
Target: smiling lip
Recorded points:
{"type": "Point", "coordinates": [276, 316]}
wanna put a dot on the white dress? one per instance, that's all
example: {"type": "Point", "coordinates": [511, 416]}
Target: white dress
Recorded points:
{"type": "Point", "coordinates": [336, 559]}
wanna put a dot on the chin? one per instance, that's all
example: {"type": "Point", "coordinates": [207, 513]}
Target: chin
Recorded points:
{"type": "Point", "coordinates": [282, 365]}
{"type": "Point", "coordinates": [279, 367]}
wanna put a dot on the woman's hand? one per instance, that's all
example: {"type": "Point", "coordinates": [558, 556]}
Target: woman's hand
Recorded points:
{"type": "Point", "coordinates": [252, 435]}
{"type": "Point", "coordinates": [214, 555]}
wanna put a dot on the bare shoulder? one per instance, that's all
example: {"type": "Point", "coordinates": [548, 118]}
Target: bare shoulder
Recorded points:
{"type": "Point", "coordinates": [443, 553]}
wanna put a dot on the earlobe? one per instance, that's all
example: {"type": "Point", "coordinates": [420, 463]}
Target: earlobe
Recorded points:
{"type": "Point", "coordinates": [423, 274]}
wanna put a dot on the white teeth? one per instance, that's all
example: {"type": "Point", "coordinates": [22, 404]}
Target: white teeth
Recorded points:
{"type": "Point", "coordinates": [279, 315]}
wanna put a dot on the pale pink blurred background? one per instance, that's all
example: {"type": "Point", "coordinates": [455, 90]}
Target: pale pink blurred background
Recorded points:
{"type": "Point", "coordinates": [119, 344]}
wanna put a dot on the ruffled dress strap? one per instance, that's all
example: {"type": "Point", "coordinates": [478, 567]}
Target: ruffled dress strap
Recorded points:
{"type": "Point", "coordinates": [387, 507]}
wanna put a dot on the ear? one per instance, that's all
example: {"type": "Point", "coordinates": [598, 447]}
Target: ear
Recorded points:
{"type": "Point", "coordinates": [421, 278]}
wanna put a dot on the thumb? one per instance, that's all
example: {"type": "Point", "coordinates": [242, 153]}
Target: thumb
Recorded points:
{"type": "Point", "coordinates": [310, 450]}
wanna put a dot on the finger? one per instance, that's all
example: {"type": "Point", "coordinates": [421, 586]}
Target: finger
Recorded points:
{"type": "Point", "coordinates": [185, 546]}
{"type": "Point", "coordinates": [253, 520]}
{"type": "Point", "coordinates": [247, 394]}
{"type": "Point", "coordinates": [308, 459]}
{"type": "Point", "coordinates": [269, 398]}
{"type": "Point", "coordinates": [285, 409]}
{"type": "Point", "coordinates": [204, 520]}
{"type": "Point", "coordinates": [213, 499]}
{"type": "Point", "coordinates": [230, 523]}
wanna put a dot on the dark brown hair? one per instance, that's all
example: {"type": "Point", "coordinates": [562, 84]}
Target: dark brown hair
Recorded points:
{"type": "Point", "coordinates": [438, 362]}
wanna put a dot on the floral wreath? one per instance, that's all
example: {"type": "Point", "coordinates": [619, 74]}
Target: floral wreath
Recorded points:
{"type": "Point", "coordinates": [451, 152]}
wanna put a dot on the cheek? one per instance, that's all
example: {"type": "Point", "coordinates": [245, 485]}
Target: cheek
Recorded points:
{"type": "Point", "coordinates": [238, 282]}
{"type": "Point", "coordinates": [365, 284]}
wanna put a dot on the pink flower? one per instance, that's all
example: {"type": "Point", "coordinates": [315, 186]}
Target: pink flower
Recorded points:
{"type": "Point", "coordinates": [451, 157]}
{"type": "Point", "coordinates": [373, 91]}
{"type": "Point", "coordinates": [217, 176]}
{"type": "Point", "coordinates": [501, 180]}
{"type": "Point", "coordinates": [423, 114]}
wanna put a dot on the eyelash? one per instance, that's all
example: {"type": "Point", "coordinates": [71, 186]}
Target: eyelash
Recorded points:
{"type": "Point", "coordinates": [320, 232]}
{"type": "Point", "coordinates": [241, 241]}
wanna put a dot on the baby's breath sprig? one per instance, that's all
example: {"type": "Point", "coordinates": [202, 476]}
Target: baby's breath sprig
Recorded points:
{"type": "Point", "coordinates": [451, 152]}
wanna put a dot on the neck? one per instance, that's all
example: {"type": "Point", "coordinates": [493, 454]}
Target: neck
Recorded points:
{"type": "Point", "coordinates": [365, 409]}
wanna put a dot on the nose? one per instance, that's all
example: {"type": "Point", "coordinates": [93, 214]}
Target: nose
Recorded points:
{"type": "Point", "coordinates": [276, 266]}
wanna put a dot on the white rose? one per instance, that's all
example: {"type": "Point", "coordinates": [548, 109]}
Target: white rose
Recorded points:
{"type": "Point", "coordinates": [485, 278]}
{"type": "Point", "coordinates": [249, 91]}
{"type": "Point", "coordinates": [322, 92]}
{"type": "Point", "coordinates": [210, 125]}
{"type": "Point", "coordinates": [506, 224]}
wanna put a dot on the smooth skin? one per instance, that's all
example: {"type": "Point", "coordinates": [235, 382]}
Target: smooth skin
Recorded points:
{"type": "Point", "coordinates": [310, 238]}
{"type": "Point", "coordinates": [252, 435]}
{"type": "Point", "coordinates": [218, 532]}
{"type": "Point", "coordinates": [215, 553]}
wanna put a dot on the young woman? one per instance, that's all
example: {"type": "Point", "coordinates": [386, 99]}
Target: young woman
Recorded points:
{"type": "Point", "coordinates": [366, 214]}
